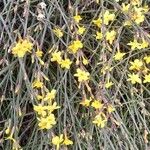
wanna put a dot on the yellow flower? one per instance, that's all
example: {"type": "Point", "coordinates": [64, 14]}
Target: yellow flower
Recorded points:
{"type": "Point", "coordinates": [85, 61]}
{"type": "Point", "coordinates": [108, 17]}
{"type": "Point", "coordinates": [85, 102]}
{"type": "Point", "coordinates": [144, 44]}
{"type": "Point", "coordinates": [134, 45]}
{"type": "Point", "coordinates": [125, 8]}
{"type": "Point", "coordinates": [110, 36]}
{"type": "Point", "coordinates": [134, 78]}
{"type": "Point", "coordinates": [147, 79]}
{"type": "Point", "coordinates": [99, 35]}
{"type": "Point", "coordinates": [77, 18]}
{"type": "Point", "coordinates": [110, 109]}
{"type": "Point", "coordinates": [39, 53]}
{"type": "Point", "coordinates": [97, 104]}
{"type": "Point", "coordinates": [58, 32]}
{"type": "Point", "coordinates": [82, 75]}
{"type": "Point", "coordinates": [56, 56]}
{"type": "Point", "coordinates": [67, 141]}
{"type": "Point", "coordinates": [27, 45]}
{"type": "Point", "coordinates": [145, 9]}
{"type": "Point", "coordinates": [108, 84]}
{"type": "Point", "coordinates": [22, 47]}
{"type": "Point", "coordinates": [100, 120]}
{"type": "Point", "coordinates": [37, 84]}
{"type": "Point", "coordinates": [50, 95]}
{"type": "Point", "coordinates": [97, 22]}
{"type": "Point", "coordinates": [41, 110]}
{"type": "Point", "coordinates": [138, 15]}
{"type": "Point", "coordinates": [57, 140]}
{"type": "Point", "coordinates": [75, 46]}
{"type": "Point", "coordinates": [147, 59]}
{"type": "Point", "coordinates": [81, 30]}
{"type": "Point", "coordinates": [139, 18]}
{"type": "Point", "coordinates": [136, 65]}
{"type": "Point", "coordinates": [51, 108]}
{"type": "Point", "coordinates": [119, 55]}
{"type": "Point", "coordinates": [48, 122]}
{"type": "Point", "coordinates": [66, 63]}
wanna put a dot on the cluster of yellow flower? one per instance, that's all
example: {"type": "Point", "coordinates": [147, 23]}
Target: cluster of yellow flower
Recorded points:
{"type": "Point", "coordinates": [80, 29]}
{"type": "Point", "coordinates": [45, 106]}
{"type": "Point", "coordinates": [105, 20]}
{"type": "Point", "coordinates": [135, 45]}
{"type": "Point", "coordinates": [103, 111]}
{"type": "Point", "coordinates": [140, 68]}
{"type": "Point", "coordinates": [134, 11]}
{"type": "Point", "coordinates": [64, 63]}
{"type": "Point", "coordinates": [105, 29]}
{"type": "Point", "coordinates": [73, 48]}
{"type": "Point", "coordinates": [22, 47]}
{"type": "Point", "coordinates": [84, 76]}
{"type": "Point", "coordinates": [110, 36]}
{"type": "Point", "coordinates": [45, 116]}
{"type": "Point", "coordinates": [61, 140]}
